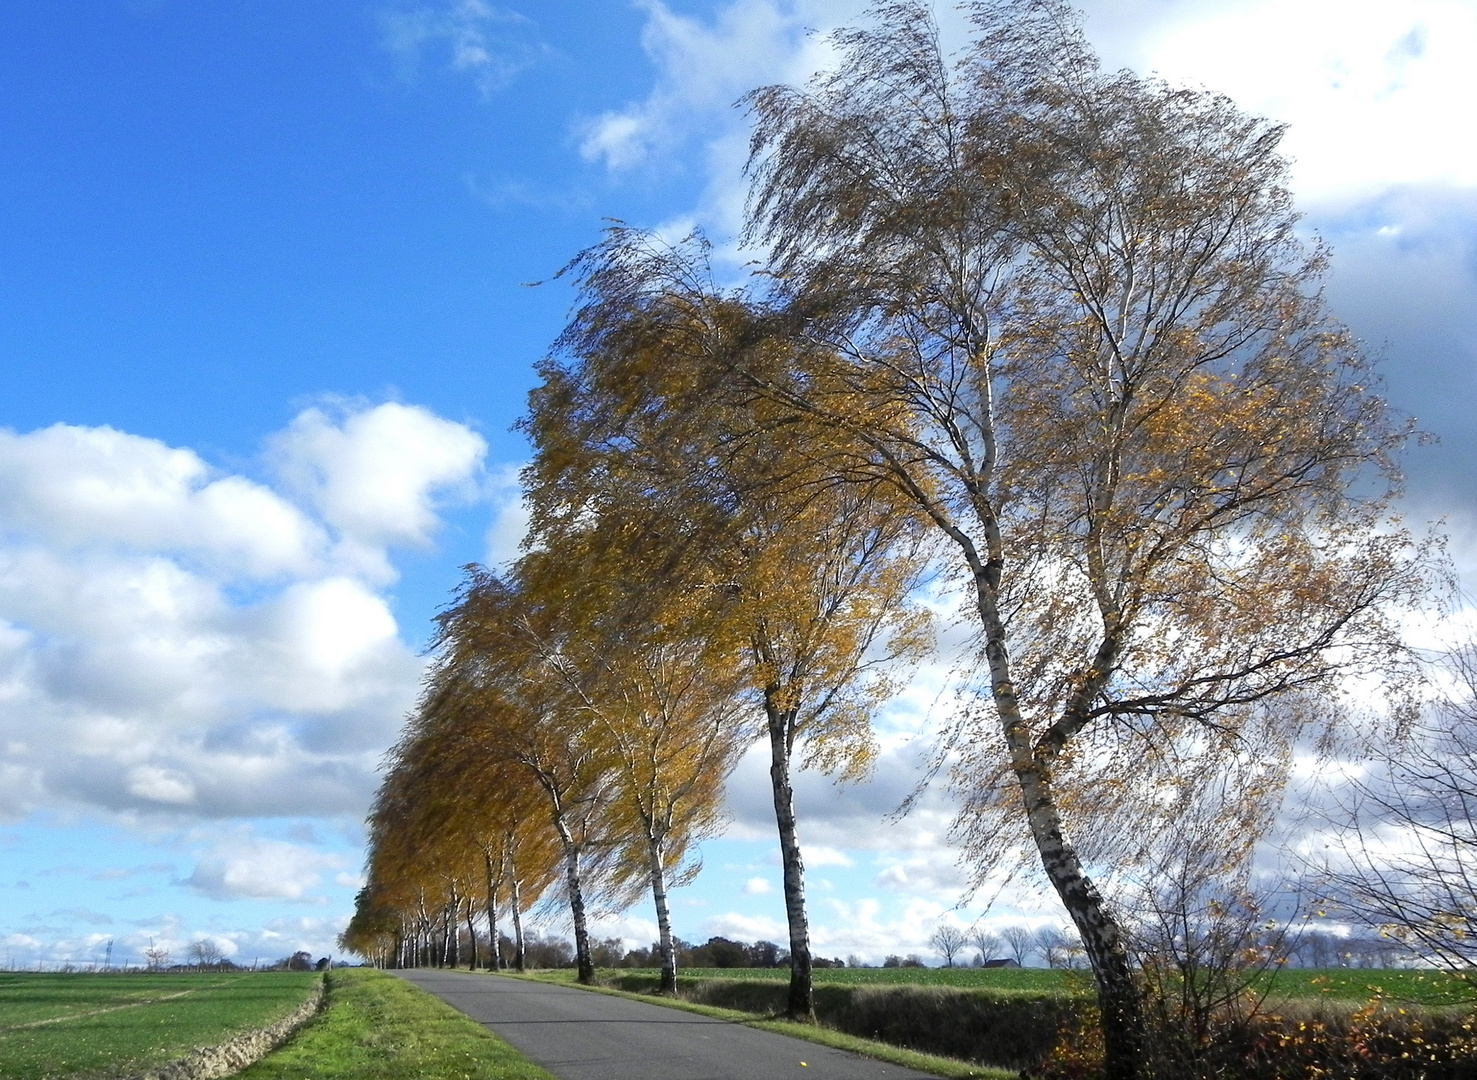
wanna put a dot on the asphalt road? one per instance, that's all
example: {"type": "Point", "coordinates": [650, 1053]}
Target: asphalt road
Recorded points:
{"type": "Point", "coordinates": [577, 1035]}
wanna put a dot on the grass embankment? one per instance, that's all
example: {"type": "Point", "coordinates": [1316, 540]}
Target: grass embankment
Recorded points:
{"type": "Point", "coordinates": [377, 1027]}
{"type": "Point", "coordinates": [59, 1024]}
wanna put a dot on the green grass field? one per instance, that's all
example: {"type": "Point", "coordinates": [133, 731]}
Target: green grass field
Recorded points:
{"type": "Point", "coordinates": [1335, 984]}
{"type": "Point", "coordinates": [377, 1027]}
{"type": "Point", "coordinates": [1035, 980]}
{"type": "Point", "coordinates": [54, 1025]}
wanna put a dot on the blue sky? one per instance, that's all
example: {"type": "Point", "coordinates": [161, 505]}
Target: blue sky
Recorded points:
{"type": "Point", "coordinates": [264, 328]}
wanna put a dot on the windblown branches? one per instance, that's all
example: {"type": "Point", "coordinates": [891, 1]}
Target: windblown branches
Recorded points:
{"type": "Point", "coordinates": [1066, 314]}
{"type": "Point", "coordinates": [695, 575]}
{"type": "Point", "coordinates": [1405, 854]}
{"type": "Point", "coordinates": [1053, 320]}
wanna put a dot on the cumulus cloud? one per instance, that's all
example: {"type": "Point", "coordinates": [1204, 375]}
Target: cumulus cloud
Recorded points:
{"type": "Point", "coordinates": [826, 856]}
{"type": "Point", "coordinates": [74, 488]}
{"type": "Point", "coordinates": [757, 886]}
{"type": "Point", "coordinates": [247, 867]}
{"type": "Point", "coordinates": [1372, 91]}
{"type": "Point", "coordinates": [934, 873]}
{"type": "Point", "coordinates": [182, 641]}
{"type": "Point", "coordinates": [375, 475]}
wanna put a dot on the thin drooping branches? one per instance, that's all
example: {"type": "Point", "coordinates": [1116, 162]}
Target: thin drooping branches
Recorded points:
{"type": "Point", "coordinates": [1404, 860]}
{"type": "Point", "coordinates": [1066, 315]}
{"type": "Point", "coordinates": [640, 427]}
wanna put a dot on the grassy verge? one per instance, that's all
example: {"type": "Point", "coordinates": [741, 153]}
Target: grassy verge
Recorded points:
{"type": "Point", "coordinates": [57, 1025]}
{"type": "Point", "coordinates": [377, 1027]}
{"type": "Point", "coordinates": [896, 1055]}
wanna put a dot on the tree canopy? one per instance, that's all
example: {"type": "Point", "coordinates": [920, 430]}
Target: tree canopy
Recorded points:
{"type": "Point", "coordinates": [1047, 327]}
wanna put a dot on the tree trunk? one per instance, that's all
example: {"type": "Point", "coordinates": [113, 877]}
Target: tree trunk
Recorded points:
{"type": "Point", "coordinates": [1102, 937]}
{"type": "Point", "coordinates": [517, 920]}
{"type": "Point", "coordinates": [801, 1004]}
{"type": "Point", "coordinates": [576, 894]}
{"type": "Point", "coordinates": [495, 949]}
{"type": "Point", "coordinates": [663, 918]}
{"type": "Point", "coordinates": [452, 957]}
{"type": "Point", "coordinates": [582, 959]}
{"type": "Point", "coordinates": [471, 935]}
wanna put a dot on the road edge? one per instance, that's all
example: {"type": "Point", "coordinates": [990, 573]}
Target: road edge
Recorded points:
{"type": "Point", "coordinates": [822, 1036]}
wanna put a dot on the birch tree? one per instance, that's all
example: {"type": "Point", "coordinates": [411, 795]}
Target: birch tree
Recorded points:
{"type": "Point", "coordinates": [638, 421]}
{"type": "Point", "coordinates": [1066, 316]}
{"type": "Point", "coordinates": [650, 662]}
{"type": "Point", "coordinates": [493, 669]}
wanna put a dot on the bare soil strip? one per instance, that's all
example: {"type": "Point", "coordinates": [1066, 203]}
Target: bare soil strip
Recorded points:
{"type": "Point", "coordinates": [235, 1054]}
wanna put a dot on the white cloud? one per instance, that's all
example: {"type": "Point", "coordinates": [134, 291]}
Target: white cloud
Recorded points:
{"type": "Point", "coordinates": [178, 641]}
{"type": "Point", "coordinates": [161, 785]}
{"type": "Point", "coordinates": [702, 69]}
{"type": "Point", "coordinates": [77, 487]}
{"type": "Point", "coordinates": [247, 867]}
{"type": "Point", "coordinates": [935, 874]}
{"type": "Point", "coordinates": [1375, 93]}
{"type": "Point", "coordinates": [817, 855]}
{"type": "Point", "coordinates": [757, 886]}
{"type": "Point", "coordinates": [746, 928]}
{"type": "Point", "coordinates": [510, 519]}
{"type": "Point", "coordinates": [633, 926]}
{"type": "Point", "coordinates": [332, 626]}
{"type": "Point", "coordinates": [375, 475]}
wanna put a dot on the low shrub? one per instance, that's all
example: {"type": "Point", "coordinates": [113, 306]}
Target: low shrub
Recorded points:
{"type": "Point", "coordinates": [1303, 1040]}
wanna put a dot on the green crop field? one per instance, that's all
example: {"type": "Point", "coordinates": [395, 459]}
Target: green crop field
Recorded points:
{"type": "Point", "coordinates": [1402, 985]}
{"type": "Point", "coordinates": [1399, 986]}
{"type": "Point", "coordinates": [56, 1025]}
{"type": "Point", "coordinates": [1037, 980]}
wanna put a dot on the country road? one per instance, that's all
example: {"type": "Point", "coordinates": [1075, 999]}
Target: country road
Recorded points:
{"type": "Point", "coordinates": [577, 1035]}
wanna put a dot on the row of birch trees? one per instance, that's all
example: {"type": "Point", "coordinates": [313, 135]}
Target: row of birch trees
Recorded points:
{"type": "Point", "coordinates": [1046, 329]}
{"type": "Point", "coordinates": [695, 582]}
